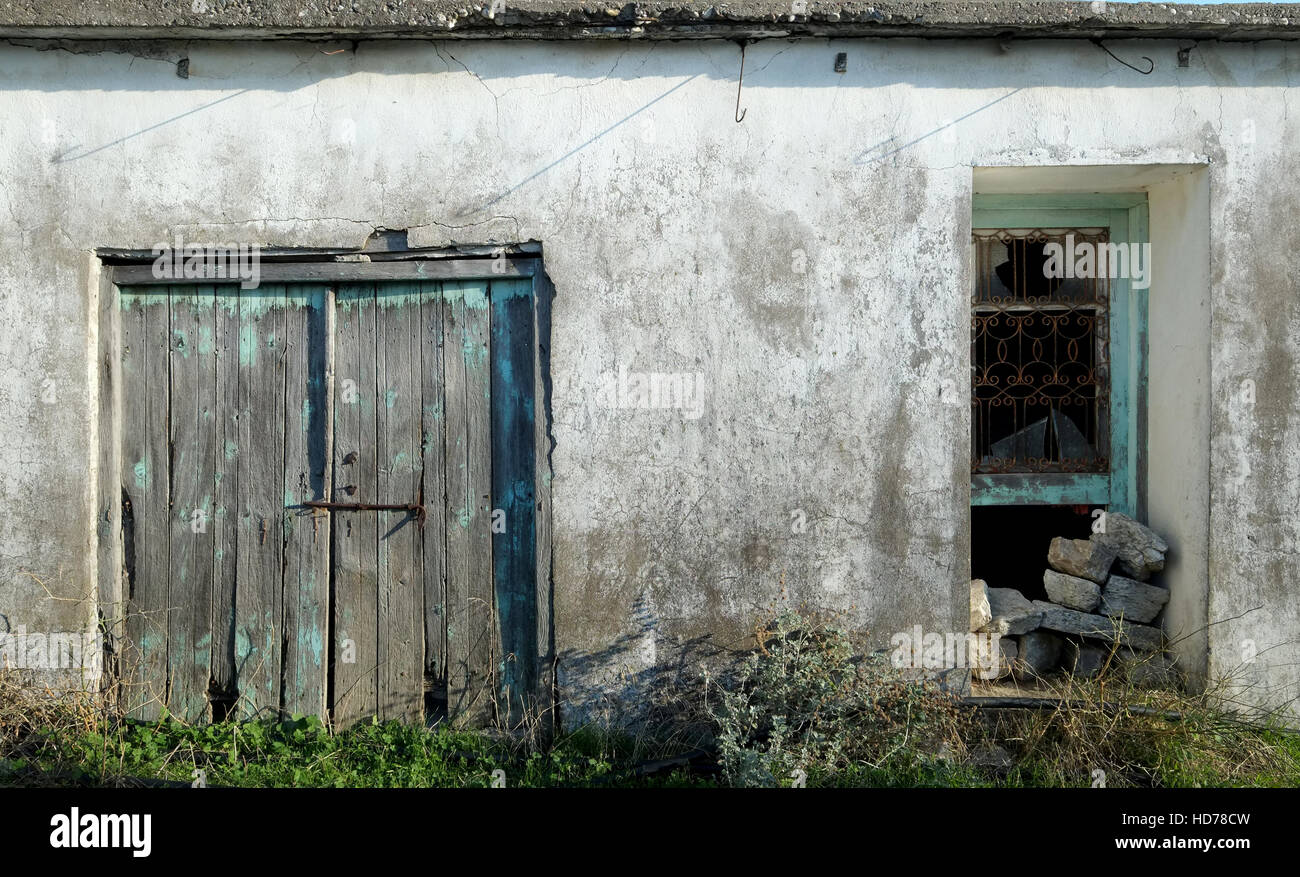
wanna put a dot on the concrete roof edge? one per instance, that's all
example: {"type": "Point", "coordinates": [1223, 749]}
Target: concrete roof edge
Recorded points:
{"type": "Point", "coordinates": [567, 19]}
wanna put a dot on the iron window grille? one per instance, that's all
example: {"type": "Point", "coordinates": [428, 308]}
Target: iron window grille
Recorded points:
{"type": "Point", "coordinates": [1040, 376]}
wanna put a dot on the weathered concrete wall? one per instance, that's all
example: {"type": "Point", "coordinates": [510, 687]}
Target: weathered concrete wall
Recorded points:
{"type": "Point", "coordinates": [1255, 450]}
{"type": "Point", "coordinates": [808, 264]}
{"type": "Point", "coordinates": [1179, 406]}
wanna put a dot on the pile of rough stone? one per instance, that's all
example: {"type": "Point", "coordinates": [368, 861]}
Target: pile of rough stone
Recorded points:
{"type": "Point", "coordinates": [1092, 610]}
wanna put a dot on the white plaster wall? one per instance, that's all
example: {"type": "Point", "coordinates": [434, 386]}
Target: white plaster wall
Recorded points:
{"type": "Point", "coordinates": [1178, 406]}
{"type": "Point", "coordinates": [810, 263]}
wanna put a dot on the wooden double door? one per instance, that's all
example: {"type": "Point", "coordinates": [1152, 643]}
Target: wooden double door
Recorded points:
{"type": "Point", "coordinates": [329, 499]}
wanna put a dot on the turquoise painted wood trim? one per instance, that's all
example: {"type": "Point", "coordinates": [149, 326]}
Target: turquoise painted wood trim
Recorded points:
{"type": "Point", "coordinates": [1123, 442]}
{"type": "Point", "coordinates": [1050, 489]}
{"type": "Point", "coordinates": [1126, 216]}
{"type": "Point", "coordinates": [1140, 231]}
{"type": "Point", "coordinates": [1001, 218]}
{"type": "Point", "coordinates": [514, 538]}
{"type": "Point", "coordinates": [1073, 201]}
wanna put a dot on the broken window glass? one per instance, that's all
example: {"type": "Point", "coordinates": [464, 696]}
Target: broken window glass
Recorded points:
{"type": "Point", "coordinates": [1039, 367]}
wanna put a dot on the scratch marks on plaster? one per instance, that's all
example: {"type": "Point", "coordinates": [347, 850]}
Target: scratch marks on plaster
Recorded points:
{"type": "Point", "coordinates": [575, 150]}
{"type": "Point", "coordinates": [72, 154]}
{"type": "Point", "coordinates": [867, 158]}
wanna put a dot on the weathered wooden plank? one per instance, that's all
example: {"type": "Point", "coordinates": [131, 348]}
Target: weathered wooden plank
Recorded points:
{"type": "Point", "coordinates": [354, 533]}
{"type": "Point", "coordinates": [542, 478]}
{"type": "Point", "coordinates": [145, 479]}
{"type": "Point", "coordinates": [514, 548]}
{"type": "Point", "coordinates": [400, 601]}
{"type": "Point", "coordinates": [434, 487]}
{"type": "Point", "coordinates": [225, 543]}
{"type": "Point", "coordinates": [359, 272]}
{"type": "Point", "coordinates": [193, 414]}
{"type": "Point", "coordinates": [109, 560]}
{"type": "Point", "coordinates": [260, 455]}
{"type": "Point", "coordinates": [307, 431]}
{"type": "Point", "coordinates": [470, 597]}
{"type": "Point", "coordinates": [1139, 230]}
{"type": "Point", "coordinates": [1052, 488]}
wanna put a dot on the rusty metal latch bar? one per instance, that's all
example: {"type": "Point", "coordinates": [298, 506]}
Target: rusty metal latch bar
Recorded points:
{"type": "Point", "coordinates": [414, 508]}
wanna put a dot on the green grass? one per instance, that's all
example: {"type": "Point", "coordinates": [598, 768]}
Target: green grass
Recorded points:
{"type": "Point", "coordinates": [302, 752]}
{"type": "Point", "coordinates": [1197, 758]}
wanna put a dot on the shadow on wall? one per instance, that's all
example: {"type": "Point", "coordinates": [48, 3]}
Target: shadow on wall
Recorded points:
{"type": "Point", "coordinates": [234, 69]}
{"type": "Point", "coordinates": [643, 680]}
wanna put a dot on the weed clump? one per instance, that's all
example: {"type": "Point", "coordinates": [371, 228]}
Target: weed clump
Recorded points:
{"type": "Point", "coordinates": [806, 703]}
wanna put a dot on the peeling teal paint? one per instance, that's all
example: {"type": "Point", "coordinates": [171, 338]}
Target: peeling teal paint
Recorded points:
{"type": "Point", "coordinates": [390, 397]}
{"type": "Point", "coordinates": [475, 352]}
{"type": "Point", "coordinates": [143, 477]}
{"type": "Point", "coordinates": [247, 345]}
{"type": "Point", "coordinates": [476, 296]}
{"type": "Point", "coordinates": [305, 416]}
{"type": "Point", "coordinates": [348, 297]}
{"type": "Point", "coordinates": [231, 449]}
{"type": "Point", "coordinates": [135, 298]}
{"type": "Point", "coordinates": [512, 289]}
{"type": "Point", "coordinates": [181, 343]}
{"type": "Point", "coordinates": [506, 370]}
{"type": "Point", "coordinates": [243, 647]}
{"type": "Point", "coordinates": [311, 639]}
{"type": "Point", "coordinates": [257, 303]}
{"type": "Point", "coordinates": [389, 297]}
{"type": "Point", "coordinates": [299, 297]}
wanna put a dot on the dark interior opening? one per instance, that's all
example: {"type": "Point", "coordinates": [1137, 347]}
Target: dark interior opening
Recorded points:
{"type": "Point", "coordinates": [1009, 543]}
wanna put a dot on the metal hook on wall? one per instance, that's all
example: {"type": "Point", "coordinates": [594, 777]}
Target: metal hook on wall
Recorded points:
{"type": "Point", "coordinates": [740, 114]}
{"type": "Point", "coordinates": [1147, 72]}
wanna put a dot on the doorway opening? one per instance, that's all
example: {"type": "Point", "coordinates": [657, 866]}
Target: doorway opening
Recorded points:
{"type": "Point", "coordinates": [1009, 543]}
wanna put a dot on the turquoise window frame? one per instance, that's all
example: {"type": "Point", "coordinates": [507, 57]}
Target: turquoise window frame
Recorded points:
{"type": "Point", "coordinates": [1123, 489]}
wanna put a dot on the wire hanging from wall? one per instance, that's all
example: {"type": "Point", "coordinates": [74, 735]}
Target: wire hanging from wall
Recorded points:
{"type": "Point", "coordinates": [740, 83]}
{"type": "Point", "coordinates": [1147, 72]}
